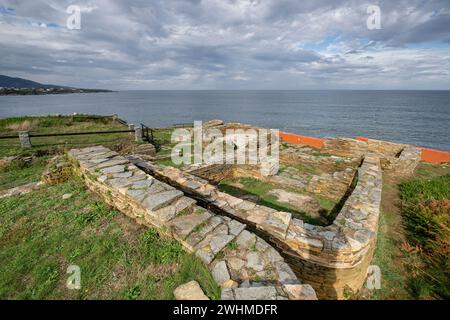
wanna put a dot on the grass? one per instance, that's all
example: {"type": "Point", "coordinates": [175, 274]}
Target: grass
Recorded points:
{"type": "Point", "coordinates": [17, 173]}
{"type": "Point", "coordinates": [325, 203]}
{"type": "Point", "coordinates": [426, 208]}
{"type": "Point", "coordinates": [406, 212]}
{"type": "Point", "coordinates": [63, 124]}
{"type": "Point", "coordinates": [261, 189]}
{"type": "Point", "coordinates": [169, 163]}
{"type": "Point", "coordinates": [301, 167]}
{"type": "Point", "coordinates": [388, 254]}
{"type": "Point", "coordinates": [163, 136]}
{"type": "Point", "coordinates": [41, 235]}
{"type": "Point", "coordinates": [429, 171]}
{"type": "Point", "coordinates": [232, 245]}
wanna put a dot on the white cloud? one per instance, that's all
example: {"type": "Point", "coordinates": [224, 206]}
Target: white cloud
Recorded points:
{"type": "Point", "coordinates": [183, 44]}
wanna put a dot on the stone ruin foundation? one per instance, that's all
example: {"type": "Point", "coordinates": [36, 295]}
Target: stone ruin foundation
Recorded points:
{"type": "Point", "coordinates": [334, 257]}
{"type": "Point", "coordinates": [331, 258]}
{"type": "Point", "coordinates": [243, 264]}
{"type": "Point", "coordinates": [276, 255]}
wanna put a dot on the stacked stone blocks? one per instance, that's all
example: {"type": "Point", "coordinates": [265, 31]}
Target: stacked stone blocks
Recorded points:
{"type": "Point", "coordinates": [243, 264]}
{"type": "Point", "coordinates": [332, 258]}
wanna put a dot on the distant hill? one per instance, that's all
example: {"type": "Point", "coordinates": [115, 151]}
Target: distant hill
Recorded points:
{"type": "Point", "coordinates": [10, 82]}
{"type": "Point", "coordinates": [19, 86]}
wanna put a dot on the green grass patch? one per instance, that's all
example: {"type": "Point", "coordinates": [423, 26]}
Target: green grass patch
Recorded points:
{"type": "Point", "coordinates": [63, 124]}
{"type": "Point", "coordinates": [163, 136]}
{"type": "Point", "coordinates": [428, 170]}
{"type": "Point", "coordinates": [389, 258]}
{"type": "Point", "coordinates": [169, 163]}
{"type": "Point", "coordinates": [232, 245]}
{"type": "Point", "coordinates": [17, 173]}
{"type": "Point", "coordinates": [325, 203]}
{"type": "Point", "coordinates": [41, 235]}
{"type": "Point", "coordinates": [426, 213]}
{"type": "Point", "coordinates": [303, 167]}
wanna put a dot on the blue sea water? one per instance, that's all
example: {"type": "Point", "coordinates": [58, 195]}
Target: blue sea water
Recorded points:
{"type": "Point", "coordinates": [417, 117]}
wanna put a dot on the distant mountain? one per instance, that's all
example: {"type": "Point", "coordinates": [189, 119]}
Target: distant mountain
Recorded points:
{"type": "Point", "coordinates": [19, 86]}
{"type": "Point", "coordinates": [10, 82]}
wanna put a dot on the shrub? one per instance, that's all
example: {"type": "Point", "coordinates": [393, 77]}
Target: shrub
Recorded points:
{"type": "Point", "coordinates": [426, 208]}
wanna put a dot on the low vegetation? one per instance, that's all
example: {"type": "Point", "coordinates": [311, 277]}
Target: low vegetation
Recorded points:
{"type": "Point", "coordinates": [61, 124]}
{"type": "Point", "coordinates": [18, 172]}
{"type": "Point", "coordinates": [412, 246]}
{"type": "Point", "coordinates": [426, 212]}
{"type": "Point", "coordinates": [41, 234]}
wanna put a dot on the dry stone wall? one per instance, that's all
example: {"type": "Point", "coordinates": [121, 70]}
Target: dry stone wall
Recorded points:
{"type": "Point", "coordinates": [243, 264]}
{"type": "Point", "coordinates": [214, 173]}
{"type": "Point", "coordinates": [397, 159]}
{"type": "Point", "coordinates": [332, 258]}
{"type": "Point", "coordinates": [405, 164]}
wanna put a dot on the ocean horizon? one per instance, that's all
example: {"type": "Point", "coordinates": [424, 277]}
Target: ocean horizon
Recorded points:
{"type": "Point", "coordinates": [418, 117]}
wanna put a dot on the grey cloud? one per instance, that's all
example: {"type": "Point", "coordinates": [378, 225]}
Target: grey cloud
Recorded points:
{"type": "Point", "coordinates": [228, 44]}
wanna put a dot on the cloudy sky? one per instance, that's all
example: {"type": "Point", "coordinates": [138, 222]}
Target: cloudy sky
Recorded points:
{"type": "Point", "coordinates": [228, 44]}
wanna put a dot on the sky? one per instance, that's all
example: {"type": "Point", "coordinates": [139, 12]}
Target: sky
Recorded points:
{"type": "Point", "coordinates": [228, 44]}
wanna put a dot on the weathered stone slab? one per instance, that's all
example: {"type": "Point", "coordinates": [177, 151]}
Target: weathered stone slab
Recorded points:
{"type": "Point", "coordinates": [111, 163]}
{"type": "Point", "coordinates": [250, 258]}
{"type": "Point", "coordinates": [207, 227]}
{"type": "Point", "coordinates": [119, 182]}
{"type": "Point", "coordinates": [192, 184]}
{"type": "Point", "coordinates": [219, 242]}
{"type": "Point", "coordinates": [300, 292]}
{"type": "Point", "coordinates": [246, 239]}
{"type": "Point", "coordinates": [126, 174]}
{"type": "Point", "coordinates": [156, 201]}
{"type": "Point", "coordinates": [285, 274]}
{"type": "Point", "coordinates": [26, 188]}
{"type": "Point", "coordinates": [277, 223]}
{"type": "Point", "coordinates": [142, 184]}
{"type": "Point", "coordinates": [182, 226]}
{"type": "Point", "coordinates": [183, 204]}
{"type": "Point", "coordinates": [206, 256]}
{"type": "Point", "coordinates": [235, 227]}
{"type": "Point", "coordinates": [220, 273]}
{"type": "Point", "coordinates": [254, 261]}
{"type": "Point", "coordinates": [157, 187]}
{"type": "Point", "coordinates": [169, 212]}
{"type": "Point", "coordinates": [255, 293]}
{"type": "Point", "coordinates": [113, 169]}
{"type": "Point", "coordinates": [190, 291]}
{"type": "Point", "coordinates": [138, 195]}
{"type": "Point", "coordinates": [227, 294]}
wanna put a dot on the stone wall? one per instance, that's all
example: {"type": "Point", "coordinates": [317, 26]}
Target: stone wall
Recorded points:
{"type": "Point", "coordinates": [243, 264]}
{"type": "Point", "coordinates": [334, 185]}
{"type": "Point", "coordinates": [348, 147]}
{"type": "Point", "coordinates": [397, 159]}
{"type": "Point", "coordinates": [213, 173]}
{"type": "Point", "coordinates": [331, 258]}
{"type": "Point", "coordinates": [345, 147]}
{"type": "Point", "coordinates": [405, 164]}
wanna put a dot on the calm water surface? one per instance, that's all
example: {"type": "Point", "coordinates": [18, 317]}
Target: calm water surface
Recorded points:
{"type": "Point", "coordinates": [416, 117]}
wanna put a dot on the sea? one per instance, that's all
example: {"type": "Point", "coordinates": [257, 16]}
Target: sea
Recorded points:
{"type": "Point", "coordinates": [420, 118]}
